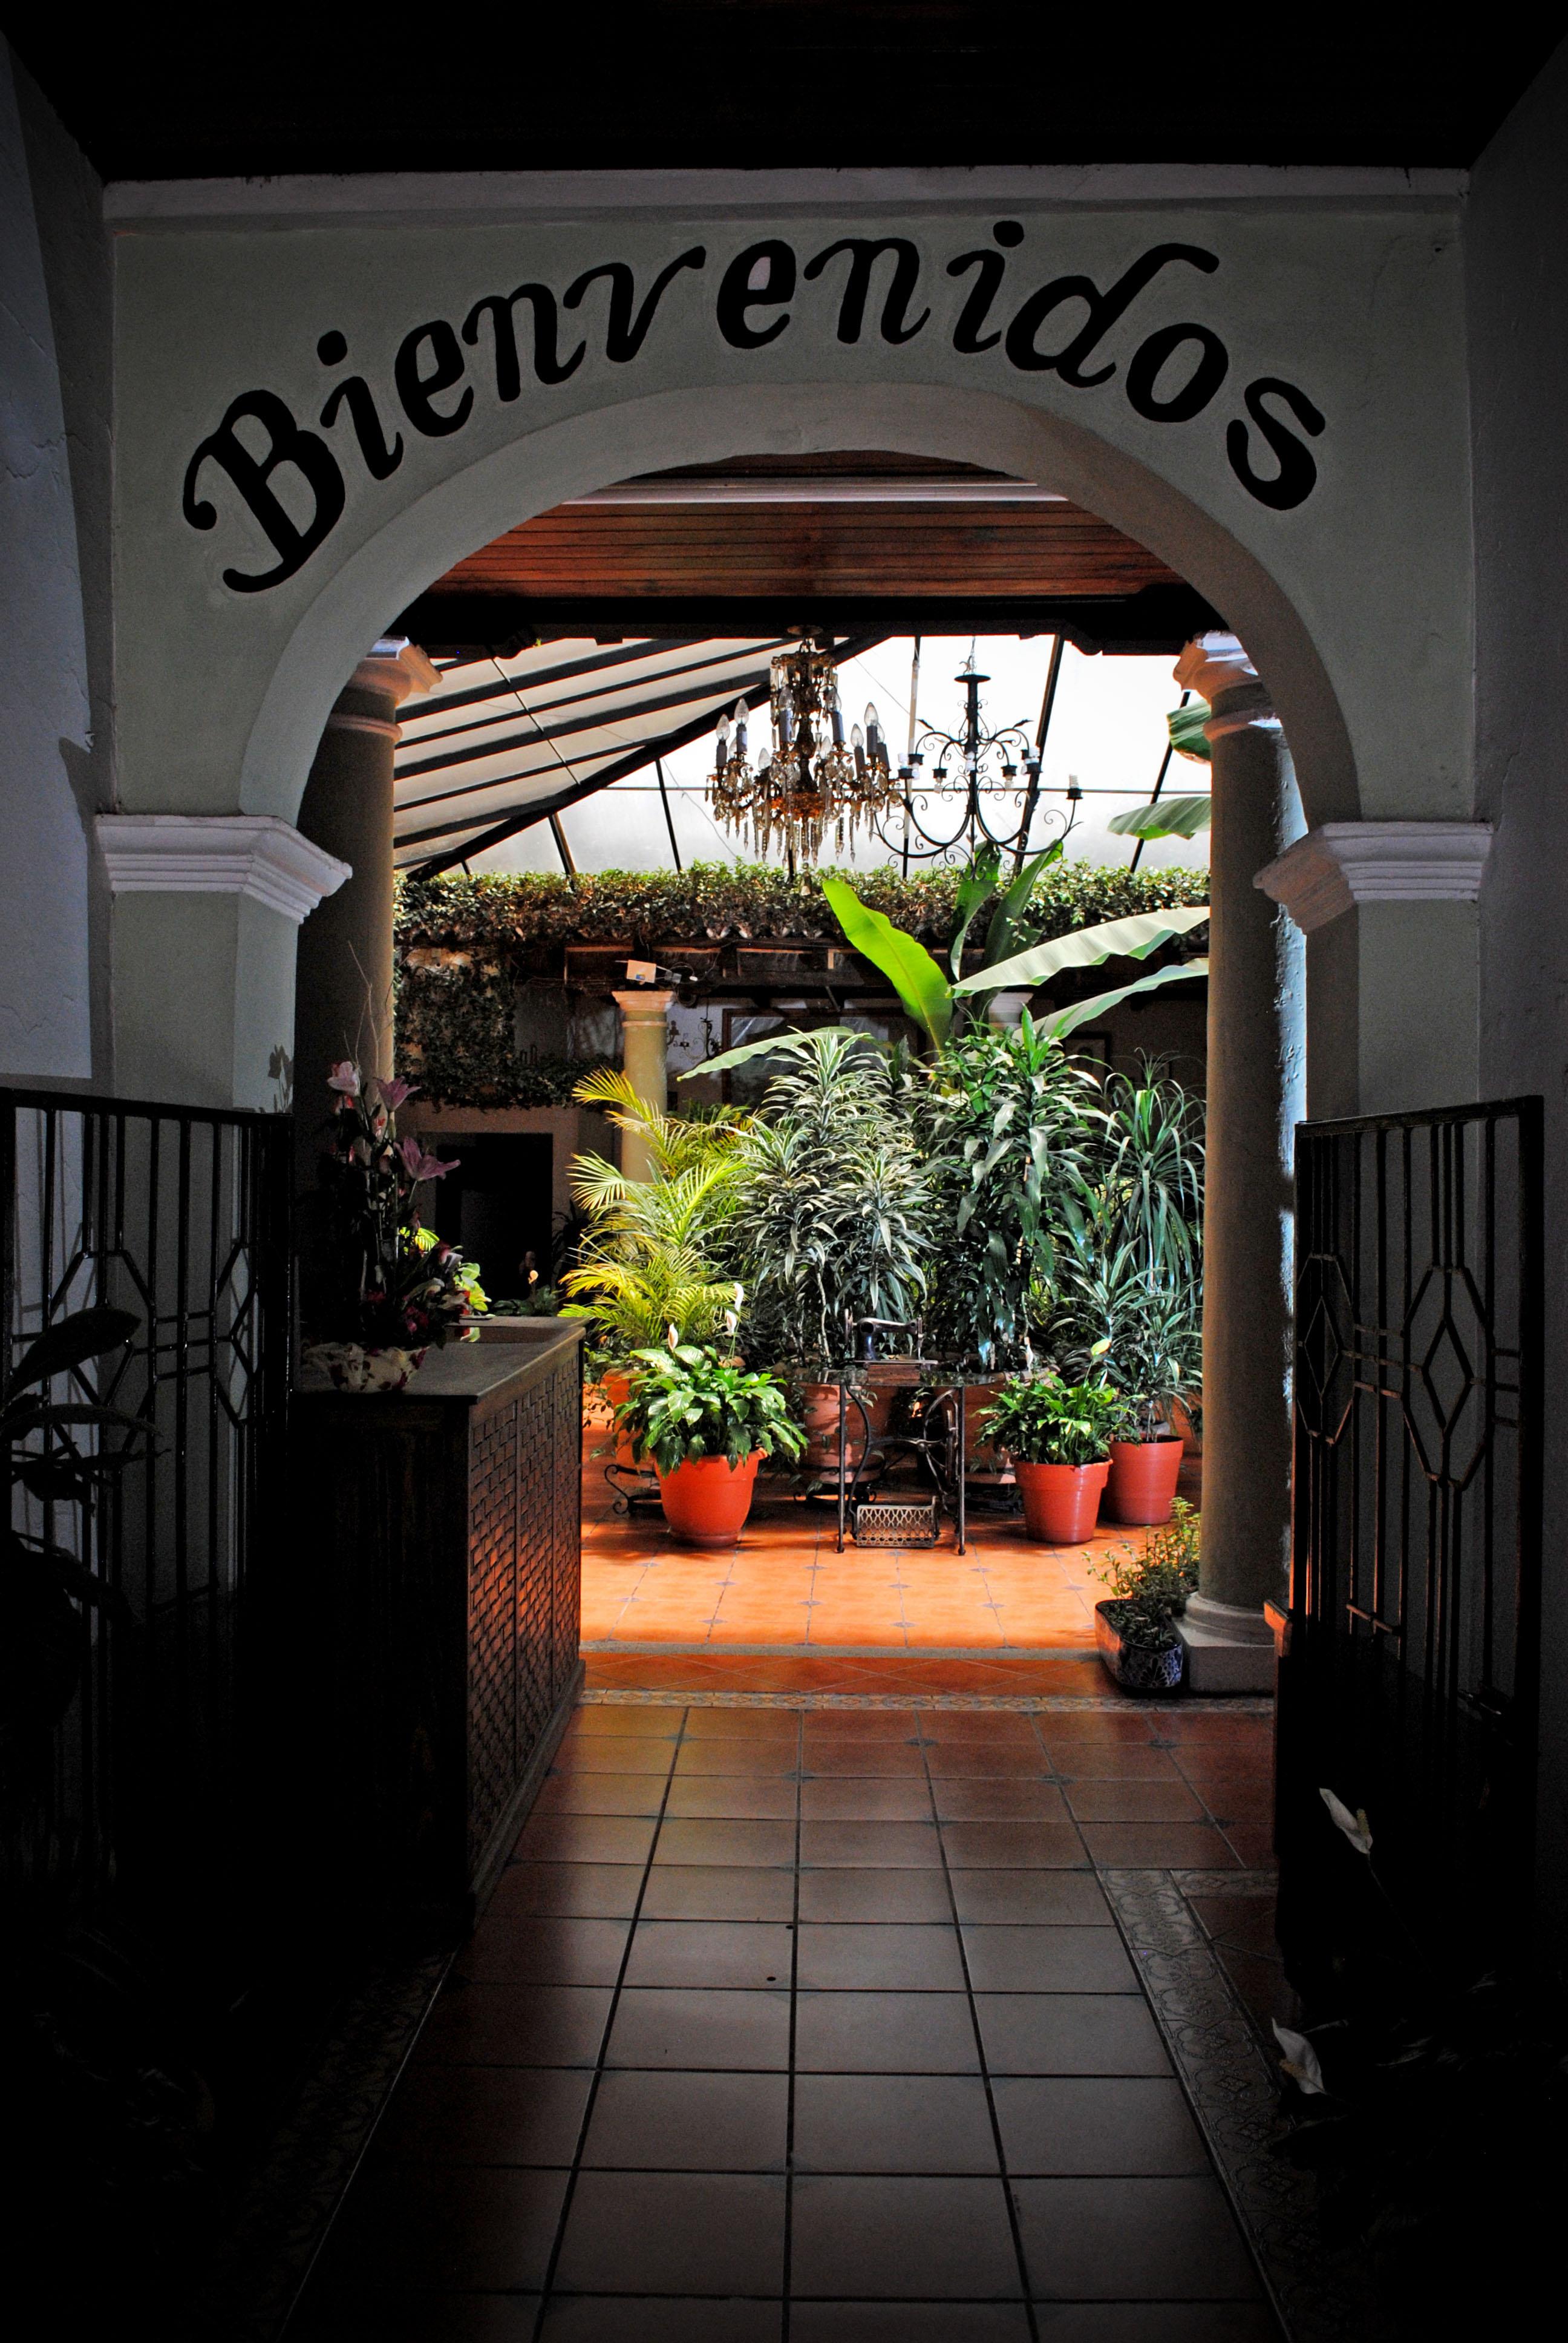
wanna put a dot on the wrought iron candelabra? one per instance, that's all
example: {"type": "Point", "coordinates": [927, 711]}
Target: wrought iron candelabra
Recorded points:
{"type": "Point", "coordinates": [983, 788]}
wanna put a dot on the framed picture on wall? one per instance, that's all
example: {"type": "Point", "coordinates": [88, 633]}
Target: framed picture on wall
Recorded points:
{"type": "Point", "coordinates": [1089, 1042]}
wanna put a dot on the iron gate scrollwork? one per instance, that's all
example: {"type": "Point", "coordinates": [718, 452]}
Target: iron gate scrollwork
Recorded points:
{"type": "Point", "coordinates": [180, 1217]}
{"type": "Point", "coordinates": [1410, 1687]}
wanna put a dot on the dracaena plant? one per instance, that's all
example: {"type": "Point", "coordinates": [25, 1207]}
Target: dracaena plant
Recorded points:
{"type": "Point", "coordinates": [375, 1275]}
{"type": "Point", "coordinates": [689, 1400]}
{"type": "Point", "coordinates": [62, 1453]}
{"type": "Point", "coordinates": [1128, 1287]}
{"type": "Point", "coordinates": [1010, 1122]}
{"type": "Point", "coordinates": [837, 1203]}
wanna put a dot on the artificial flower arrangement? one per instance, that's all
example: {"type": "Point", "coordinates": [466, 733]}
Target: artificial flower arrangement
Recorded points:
{"type": "Point", "coordinates": [381, 1288]}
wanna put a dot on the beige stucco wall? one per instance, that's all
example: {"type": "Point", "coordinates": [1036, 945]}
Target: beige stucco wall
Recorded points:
{"type": "Point", "coordinates": [1359, 307]}
{"type": "Point", "coordinates": [1355, 603]}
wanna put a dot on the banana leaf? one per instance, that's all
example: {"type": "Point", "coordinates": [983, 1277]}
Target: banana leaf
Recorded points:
{"type": "Point", "coordinates": [770, 1044]}
{"type": "Point", "coordinates": [1015, 903]}
{"type": "Point", "coordinates": [1164, 818]}
{"type": "Point", "coordinates": [1133, 938]}
{"type": "Point", "coordinates": [976, 885]}
{"type": "Point", "coordinates": [907, 965]}
{"type": "Point", "coordinates": [1185, 726]}
{"type": "Point", "coordinates": [1084, 1012]}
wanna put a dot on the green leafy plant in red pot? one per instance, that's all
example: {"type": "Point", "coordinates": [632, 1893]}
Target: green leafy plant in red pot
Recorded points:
{"type": "Point", "coordinates": [1130, 1280]}
{"type": "Point", "coordinates": [706, 1422]}
{"type": "Point", "coordinates": [1058, 1437]}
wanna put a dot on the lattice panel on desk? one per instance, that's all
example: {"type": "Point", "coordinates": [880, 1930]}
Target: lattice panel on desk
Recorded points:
{"type": "Point", "coordinates": [566, 1478]}
{"type": "Point", "coordinates": [493, 1736]}
{"type": "Point", "coordinates": [537, 1468]}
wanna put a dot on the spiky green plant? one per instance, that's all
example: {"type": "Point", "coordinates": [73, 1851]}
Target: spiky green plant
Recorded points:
{"type": "Point", "coordinates": [647, 1260]}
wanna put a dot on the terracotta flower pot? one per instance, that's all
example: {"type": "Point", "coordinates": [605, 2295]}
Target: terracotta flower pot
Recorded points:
{"type": "Point", "coordinates": [1061, 1502]}
{"type": "Point", "coordinates": [616, 1389]}
{"type": "Point", "coordinates": [707, 1499]}
{"type": "Point", "coordinates": [1142, 1484]}
{"type": "Point", "coordinates": [820, 1416]}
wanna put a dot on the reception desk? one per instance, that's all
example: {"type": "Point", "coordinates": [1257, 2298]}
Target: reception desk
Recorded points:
{"type": "Point", "coordinates": [430, 1630]}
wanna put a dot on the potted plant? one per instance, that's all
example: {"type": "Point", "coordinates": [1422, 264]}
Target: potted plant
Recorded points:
{"type": "Point", "coordinates": [1135, 1627]}
{"type": "Point", "coordinates": [835, 1220]}
{"type": "Point", "coordinates": [645, 1259]}
{"type": "Point", "coordinates": [706, 1422]}
{"type": "Point", "coordinates": [379, 1288]}
{"type": "Point", "coordinates": [1128, 1292]}
{"type": "Point", "coordinates": [1058, 1437]}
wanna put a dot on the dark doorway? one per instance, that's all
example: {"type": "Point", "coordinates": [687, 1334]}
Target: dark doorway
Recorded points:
{"type": "Point", "coordinates": [496, 1206]}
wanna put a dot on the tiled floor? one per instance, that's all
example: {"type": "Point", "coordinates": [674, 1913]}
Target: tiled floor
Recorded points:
{"type": "Point", "coordinates": [785, 1588]}
{"type": "Point", "coordinates": [814, 2027]}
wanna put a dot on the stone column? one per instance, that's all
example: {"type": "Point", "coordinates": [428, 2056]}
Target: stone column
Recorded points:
{"type": "Point", "coordinates": [645, 1057]}
{"type": "Point", "coordinates": [344, 999]}
{"type": "Point", "coordinates": [1256, 1097]}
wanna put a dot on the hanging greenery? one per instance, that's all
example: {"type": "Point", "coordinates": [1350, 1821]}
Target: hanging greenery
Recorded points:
{"type": "Point", "coordinates": [713, 901]}
{"type": "Point", "coordinates": [463, 944]}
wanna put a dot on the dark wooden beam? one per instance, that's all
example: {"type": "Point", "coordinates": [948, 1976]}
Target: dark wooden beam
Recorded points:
{"type": "Point", "coordinates": [466, 625]}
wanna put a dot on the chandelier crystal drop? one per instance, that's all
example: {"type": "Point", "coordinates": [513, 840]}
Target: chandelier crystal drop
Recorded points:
{"type": "Point", "coordinates": [811, 780]}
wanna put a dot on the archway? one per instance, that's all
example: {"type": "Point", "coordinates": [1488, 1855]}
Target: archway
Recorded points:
{"type": "Point", "coordinates": [1256, 991]}
{"type": "Point", "coordinates": [701, 425]}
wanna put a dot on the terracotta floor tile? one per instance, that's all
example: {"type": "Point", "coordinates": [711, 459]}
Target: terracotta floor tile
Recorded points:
{"type": "Point", "coordinates": [675, 2122]}
{"type": "Point", "coordinates": [1155, 2239]}
{"type": "Point", "coordinates": [572, 1890]}
{"type": "Point", "coordinates": [1135, 1846]}
{"type": "Point", "coordinates": [749, 1844]}
{"type": "Point", "coordinates": [1133, 1802]}
{"type": "Point", "coordinates": [892, 2123]}
{"type": "Point", "coordinates": [674, 2233]}
{"type": "Point", "coordinates": [741, 1723]}
{"type": "Point", "coordinates": [713, 1952]}
{"type": "Point", "coordinates": [924, 2238]}
{"type": "Point", "coordinates": [679, 2028]}
{"type": "Point", "coordinates": [1254, 1845]}
{"type": "Point", "coordinates": [731, 1797]}
{"type": "Point", "coordinates": [1108, 1761]}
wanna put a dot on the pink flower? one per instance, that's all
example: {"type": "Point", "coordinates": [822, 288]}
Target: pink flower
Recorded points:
{"type": "Point", "coordinates": [394, 1093]}
{"type": "Point", "coordinates": [345, 1077]}
{"type": "Point", "coordinates": [420, 1166]}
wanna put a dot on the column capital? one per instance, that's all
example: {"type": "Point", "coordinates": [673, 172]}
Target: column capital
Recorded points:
{"type": "Point", "coordinates": [253, 854]}
{"type": "Point", "coordinates": [390, 671]}
{"type": "Point", "coordinates": [1219, 670]}
{"type": "Point", "coordinates": [645, 1002]}
{"type": "Point", "coordinates": [1343, 863]}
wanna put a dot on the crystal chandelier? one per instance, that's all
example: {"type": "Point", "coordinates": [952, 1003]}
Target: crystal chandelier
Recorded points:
{"type": "Point", "coordinates": [812, 780]}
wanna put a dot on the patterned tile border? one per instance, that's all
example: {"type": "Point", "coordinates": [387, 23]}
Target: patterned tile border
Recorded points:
{"type": "Point", "coordinates": [1321, 2295]}
{"type": "Point", "coordinates": [283, 2219]}
{"type": "Point", "coordinates": [1045, 1703]}
{"type": "Point", "coordinates": [995, 1655]}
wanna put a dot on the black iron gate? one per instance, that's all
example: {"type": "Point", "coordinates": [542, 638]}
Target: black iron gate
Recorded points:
{"type": "Point", "coordinates": [180, 1217]}
{"type": "Point", "coordinates": [1410, 1686]}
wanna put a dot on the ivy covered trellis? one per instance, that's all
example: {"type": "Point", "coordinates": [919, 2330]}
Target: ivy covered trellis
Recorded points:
{"type": "Point", "coordinates": [464, 945]}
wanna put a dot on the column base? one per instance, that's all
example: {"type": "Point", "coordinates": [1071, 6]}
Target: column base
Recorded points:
{"type": "Point", "coordinates": [1230, 1647]}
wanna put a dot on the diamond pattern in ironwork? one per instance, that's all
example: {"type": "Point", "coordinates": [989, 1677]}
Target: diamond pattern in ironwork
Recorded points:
{"type": "Point", "coordinates": [1325, 1371]}
{"type": "Point", "coordinates": [1447, 1351]}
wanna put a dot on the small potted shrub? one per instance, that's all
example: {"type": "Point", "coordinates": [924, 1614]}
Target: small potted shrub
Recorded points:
{"type": "Point", "coordinates": [706, 1422]}
{"type": "Point", "coordinates": [1135, 1627]}
{"type": "Point", "coordinates": [1058, 1437]}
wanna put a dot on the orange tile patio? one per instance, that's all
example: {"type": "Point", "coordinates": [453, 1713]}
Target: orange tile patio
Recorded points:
{"type": "Point", "coordinates": [1006, 1611]}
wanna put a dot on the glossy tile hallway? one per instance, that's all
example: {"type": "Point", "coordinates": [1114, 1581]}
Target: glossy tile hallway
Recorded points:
{"type": "Point", "coordinates": [816, 2024]}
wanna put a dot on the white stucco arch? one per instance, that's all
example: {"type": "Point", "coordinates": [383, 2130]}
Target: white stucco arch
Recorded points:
{"type": "Point", "coordinates": [593, 448]}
